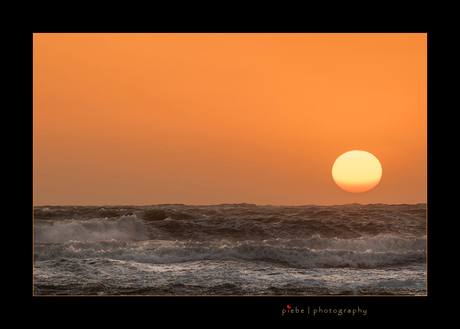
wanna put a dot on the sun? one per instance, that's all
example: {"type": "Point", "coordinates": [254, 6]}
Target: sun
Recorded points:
{"type": "Point", "coordinates": [357, 171]}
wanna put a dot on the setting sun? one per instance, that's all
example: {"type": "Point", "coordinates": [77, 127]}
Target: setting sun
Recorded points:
{"type": "Point", "coordinates": [357, 171]}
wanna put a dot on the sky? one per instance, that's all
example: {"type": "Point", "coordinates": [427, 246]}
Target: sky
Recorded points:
{"type": "Point", "coordinates": [139, 119]}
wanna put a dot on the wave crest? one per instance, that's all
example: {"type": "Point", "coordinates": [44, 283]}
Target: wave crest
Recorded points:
{"type": "Point", "coordinates": [125, 228]}
{"type": "Point", "coordinates": [301, 255]}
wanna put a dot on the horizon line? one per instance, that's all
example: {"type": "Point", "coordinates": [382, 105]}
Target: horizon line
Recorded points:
{"type": "Point", "coordinates": [224, 203]}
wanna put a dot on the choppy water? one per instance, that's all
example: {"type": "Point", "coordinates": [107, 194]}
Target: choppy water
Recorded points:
{"type": "Point", "coordinates": [235, 249]}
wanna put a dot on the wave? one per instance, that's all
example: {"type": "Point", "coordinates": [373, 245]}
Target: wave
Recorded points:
{"type": "Point", "coordinates": [304, 236]}
{"type": "Point", "coordinates": [379, 243]}
{"type": "Point", "coordinates": [308, 253]}
{"type": "Point", "coordinates": [232, 222]}
{"type": "Point", "coordinates": [125, 228]}
{"type": "Point", "coordinates": [249, 211]}
{"type": "Point", "coordinates": [244, 221]}
{"type": "Point", "coordinates": [80, 212]}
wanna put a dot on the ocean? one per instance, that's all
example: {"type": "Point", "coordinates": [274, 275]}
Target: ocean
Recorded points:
{"type": "Point", "coordinates": [230, 249]}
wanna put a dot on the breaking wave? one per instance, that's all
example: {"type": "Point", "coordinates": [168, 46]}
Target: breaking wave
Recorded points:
{"type": "Point", "coordinates": [313, 252]}
{"type": "Point", "coordinates": [307, 236]}
{"type": "Point", "coordinates": [122, 228]}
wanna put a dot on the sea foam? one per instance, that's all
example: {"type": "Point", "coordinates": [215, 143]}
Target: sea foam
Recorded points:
{"type": "Point", "coordinates": [98, 229]}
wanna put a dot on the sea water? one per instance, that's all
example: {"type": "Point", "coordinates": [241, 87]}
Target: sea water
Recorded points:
{"type": "Point", "coordinates": [230, 249]}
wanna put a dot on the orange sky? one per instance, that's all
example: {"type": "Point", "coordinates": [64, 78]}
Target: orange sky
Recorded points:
{"type": "Point", "coordinates": [214, 118]}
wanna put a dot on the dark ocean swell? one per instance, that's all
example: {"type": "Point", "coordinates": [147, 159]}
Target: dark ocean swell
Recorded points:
{"type": "Point", "coordinates": [360, 236]}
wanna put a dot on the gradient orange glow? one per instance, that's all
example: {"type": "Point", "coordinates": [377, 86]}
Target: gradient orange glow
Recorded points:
{"type": "Point", "coordinates": [357, 171]}
{"type": "Point", "coordinates": [214, 118]}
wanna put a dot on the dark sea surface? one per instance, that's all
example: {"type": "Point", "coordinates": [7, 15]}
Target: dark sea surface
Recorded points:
{"type": "Point", "coordinates": [230, 249]}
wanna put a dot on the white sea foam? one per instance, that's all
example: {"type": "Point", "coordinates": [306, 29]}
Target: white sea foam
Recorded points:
{"type": "Point", "coordinates": [379, 243]}
{"type": "Point", "coordinates": [124, 228]}
{"type": "Point", "coordinates": [168, 252]}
